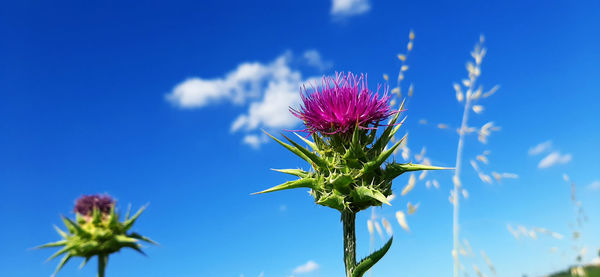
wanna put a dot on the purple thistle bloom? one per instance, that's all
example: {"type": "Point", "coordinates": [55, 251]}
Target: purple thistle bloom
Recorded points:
{"type": "Point", "coordinates": [341, 103]}
{"type": "Point", "coordinates": [85, 204]}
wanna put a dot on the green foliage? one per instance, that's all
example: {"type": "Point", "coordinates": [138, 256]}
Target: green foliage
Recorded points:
{"type": "Point", "coordinates": [348, 172]}
{"type": "Point", "coordinates": [365, 264]}
{"type": "Point", "coordinates": [590, 271]}
{"type": "Point", "coordinates": [300, 183]}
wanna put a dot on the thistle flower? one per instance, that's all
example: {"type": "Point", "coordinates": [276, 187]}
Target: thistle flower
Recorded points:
{"type": "Point", "coordinates": [342, 103]}
{"type": "Point", "coordinates": [349, 170]}
{"type": "Point", "coordinates": [96, 231]}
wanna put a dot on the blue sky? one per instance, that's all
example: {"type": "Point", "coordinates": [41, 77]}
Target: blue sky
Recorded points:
{"type": "Point", "coordinates": [163, 103]}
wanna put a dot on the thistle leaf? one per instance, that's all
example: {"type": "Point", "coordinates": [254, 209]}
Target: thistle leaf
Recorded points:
{"type": "Point", "coordinates": [140, 237]}
{"type": "Point", "coordinates": [87, 246]}
{"type": "Point", "coordinates": [125, 239]}
{"type": "Point", "coordinates": [387, 153]}
{"type": "Point", "coordinates": [333, 201]}
{"type": "Point", "coordinates": [87, 259]}
{"type": "Point", "coordinates": [136, 247]}
{"type": "Point", "coordinates": [371, 137]}
{"type": "Point", "coordinates": [79, 219]}
{"type": "Point", "coordinates": [370, 166]}
{"type": "Point", "coordinates": [355, 152]}
{"type": "Point", "coordinates": [385, 137]}
{"type": "Point", "coordinates": [296, 172]}
{"type": "Point", "coordinates": [129, 222]}
{"type": "Point", "coordinates": [60, 232]}
{"type": "Point", "coordinates": [128, 213]}
{"type": "Point", "coordinates": [289, 147]}
{"type": "Point", "coordinates": [365, 264]}
{"type": "Point", "coordinates": [62, 263]}
{"type": "Point", "coordinates": [52, 244]}
{"type": "Point", "coordinates": [300, 183]}
{"type": "Point", "coordinates": [342, 183]}
{"type": "Point", "coordinates": [61, 251]}
{"type": "Point", "coordinates": [394, 170]}
{"type": "Point", "coordinates": [365, 193]}
{"type": "Point", "coordinates": [73, 227]}
{"type": "Point", "coordinates": [396, 128]}
{"type": "Point", "coordinates": [113, 219]}
{"type": "Point", "coordinates": [356, 134]}
{"type": "Point", "coordinates": [310, 143]}
{"type": "Point", "coordinates": [321, 163]}
{"type": "Point", "coordinates": [96, 216]}
{"type": "Point", "coordinates": [319, 142]}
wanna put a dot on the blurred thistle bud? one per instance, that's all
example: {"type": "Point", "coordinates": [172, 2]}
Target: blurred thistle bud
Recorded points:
{"type": "Point", "coordinates": [86, 204]}
{"type": "Point", "coordinates": [96, 232]}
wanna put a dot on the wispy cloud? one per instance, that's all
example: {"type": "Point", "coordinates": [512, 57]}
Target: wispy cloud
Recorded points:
{"type": "Point", "coordinates": [266, 89]}
{"type": "Point", "coordinates": [313, 58]}
{"type": "Point", "coordinates": [309, 266]}
{"type": "Point", "coordinates": [595, 185]}
{"type": "Point", "coordinates": [254, 140]}
{"type": "Point", "coordinates": [554, 158]}
{"type": "Point", "coordinates": [346, 8]}
{"type": "Point", "coordinates": [540, 148]}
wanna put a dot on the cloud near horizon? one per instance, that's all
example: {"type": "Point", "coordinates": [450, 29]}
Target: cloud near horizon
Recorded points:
{"type": "Point", "coordinates": [595, 185]}
{"type": "Point", "coordinates": [309, 266]}
{"type": "Point", "coordinates": [267, 90]}
{"type": "Point", "coordinates": [347, 8]}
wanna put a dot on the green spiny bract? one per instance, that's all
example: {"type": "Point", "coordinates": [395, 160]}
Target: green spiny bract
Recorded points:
{"type": "Point", "coordinates": [348, 172]}
{"type": "Point", "coordinates": [100, 234]}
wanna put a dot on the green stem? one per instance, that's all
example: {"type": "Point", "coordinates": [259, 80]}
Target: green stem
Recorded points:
{"type": "Point", "coordinates": [348, 222]}
{"type": "Point", "coordinates": [102, 261]}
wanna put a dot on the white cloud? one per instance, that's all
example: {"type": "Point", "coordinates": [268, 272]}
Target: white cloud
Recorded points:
{"type": "Point", "coordinates": [540, 148]}
{"type": "Point", "coordinates": [313, 58]}
{"type": "Point", "coordinates": [309, 266]}
{"type": "Point", "coordinates": [266, 89]}
{"type": "Point", "coordinates": [254, 140]}
{"type": "Point", "coordinates": [236, 86]}
{"type": "Point", "coordinates": [595, 185]}
{"type": "Point", "coordinates": [272, 111]}
{"type": "Point", "coordinates": [345, 8]}
{"type": "Point", "coordinates": [554, 158]}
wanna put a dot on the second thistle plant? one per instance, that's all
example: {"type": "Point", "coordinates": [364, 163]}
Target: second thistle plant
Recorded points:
{"type": "Point", "coordinates": [349, 164]}
{"type": "Point", "coordinates": [97, 231]}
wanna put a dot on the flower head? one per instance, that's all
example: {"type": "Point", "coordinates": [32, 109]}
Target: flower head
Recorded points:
{"type": "Point", "coordinates": [341, 103]}
{"type": "Point", "coordinates": [86, 204]}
